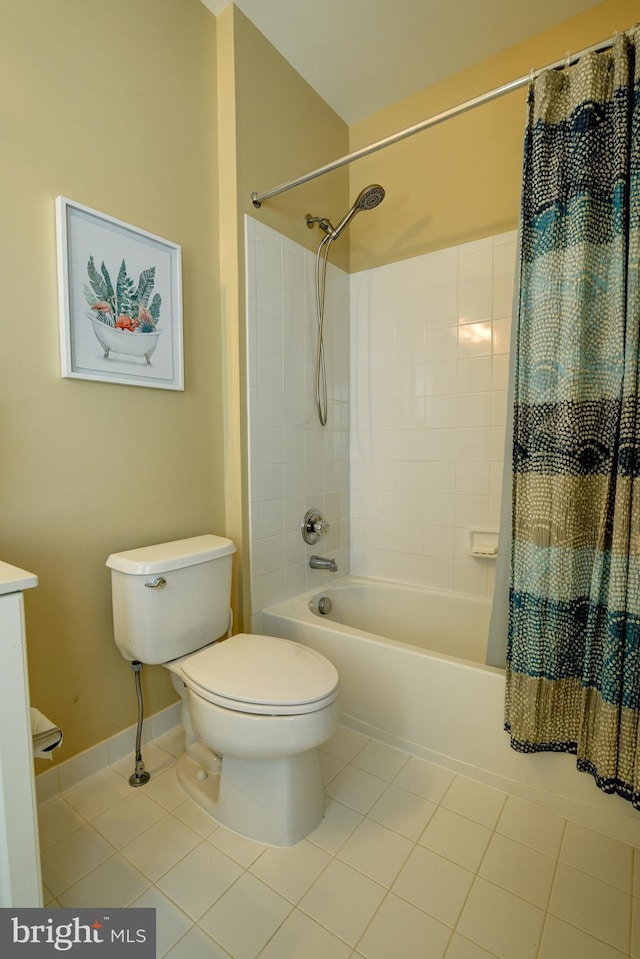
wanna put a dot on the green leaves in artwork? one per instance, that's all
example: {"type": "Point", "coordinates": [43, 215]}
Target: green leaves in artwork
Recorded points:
{"type": "Point", "coordinates": [127, 306]}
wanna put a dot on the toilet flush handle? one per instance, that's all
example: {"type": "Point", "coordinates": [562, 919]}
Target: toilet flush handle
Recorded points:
{"type": "Point", "coordinates": [158, 583]}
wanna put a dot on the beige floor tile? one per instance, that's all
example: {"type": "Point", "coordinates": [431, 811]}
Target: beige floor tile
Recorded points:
{"type": "Point", "coordinates": [474, 800]}
{"type": "Point", "coordinates": [376, 851]}
{"type": "Point", "coordinates": [73, 857]}
{"type": "Point", "coordinates": [165, 789]}
{"type": "Point", "coordinates": [598, 855]}
{"type": "Point", "coordinates": [601, 910]}
{"type": "Point", "coordinates": [345, 744]}
{"type": "Point", "coordinates": [456, 838]}
{"type": "Point", "coordinates": [97, 793]}
{"type": "Point", "coordinates": [402, 811]}
{"type": "Point", "coordinates": [196, 818]}
{"type": "Point", "coordinates": [500, 922]}
{"type": "Point", "coordinates": [196, 944]}
{"type": "Point", "coordinates": [171, 923]}
{"type": "Point", "coordinates": [291, 870]}
{"type": "Point", "coordinates": [400, 929]}
{"type": "Point", "coordinates": [114, 883]}
{"type": "Point", "coordinates": [561, 941]}
{"type": "Point", "coordinates": [160, 847]}
{"type": "Point", "coordinates": [424, 779]}
{"type": "Point", "coordinates": [531, 825]}
{"type": "Point", "coordinates": [245, 917]}
{"type": "Point", "coordinates": [461, 948]}
{"type": "Point", "coordinates": [356, 788]}
{"type": "Point", "coordinates": [57, 819]}
{"type": "Point", "coordinates": [329, 767]}
{"type": "Point", "coordinates": [433, 884]}
{"type": "Point", "coordinates": [199, 879]}
{"type": "Point", "coordinates": [519, 869]}
{"type": "Point", "coordinates": [343, 900]}
{"type": "Point", "coordinates": [300, 936]}
{"type": "Point", "coordinates": [128, 818]}
{"type": "Point", "coordinates": [381, 760]}
{"type": "Point", "coordinates": [336, 826]}
{"type": "Point", "coordinates": [242, 850]}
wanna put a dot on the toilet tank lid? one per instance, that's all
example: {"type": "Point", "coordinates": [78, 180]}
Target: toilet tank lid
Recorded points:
{"type": "Point", "coordinates": [164, 557]}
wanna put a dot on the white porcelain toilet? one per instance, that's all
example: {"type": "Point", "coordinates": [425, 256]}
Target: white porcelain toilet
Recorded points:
{"type": "Point", "coordinates": [254, 708]}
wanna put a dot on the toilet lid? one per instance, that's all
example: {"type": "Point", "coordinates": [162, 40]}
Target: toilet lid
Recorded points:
{"type": "Point", "coordinates": [262, 674]}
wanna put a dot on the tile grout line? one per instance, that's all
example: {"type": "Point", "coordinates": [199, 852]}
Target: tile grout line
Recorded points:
{"type": "Point", "coordinates": [547, 912]}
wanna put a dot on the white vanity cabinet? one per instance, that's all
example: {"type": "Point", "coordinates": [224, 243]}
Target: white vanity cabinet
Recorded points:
{"type": "Point", "coordinates": [20, 878]}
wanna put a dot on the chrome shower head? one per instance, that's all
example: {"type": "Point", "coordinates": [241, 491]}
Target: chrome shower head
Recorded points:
{"type": "Point", "coordinates": [367, 199]}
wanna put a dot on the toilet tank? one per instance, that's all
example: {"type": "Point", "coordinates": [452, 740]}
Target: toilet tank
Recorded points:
{"type": "Point", "coordinates": [155, 622]}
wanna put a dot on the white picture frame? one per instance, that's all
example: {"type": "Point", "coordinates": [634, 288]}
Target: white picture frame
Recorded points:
{"type": "Point", "coordinates": [119, 299]}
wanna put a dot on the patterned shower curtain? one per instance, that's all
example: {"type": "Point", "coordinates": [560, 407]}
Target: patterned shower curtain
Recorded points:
{"type": "Point", "coordinates": [573, 658]}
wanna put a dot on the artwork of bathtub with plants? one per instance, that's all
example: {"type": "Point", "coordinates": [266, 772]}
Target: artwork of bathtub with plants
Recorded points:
{"type": "Point", "coordinates": [124, 317]}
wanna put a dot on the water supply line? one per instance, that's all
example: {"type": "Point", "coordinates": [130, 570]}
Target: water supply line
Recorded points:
{"type": "Point", "coordinates": [367, 199]}
{"type": "Point", "coordinates": [139, 776]}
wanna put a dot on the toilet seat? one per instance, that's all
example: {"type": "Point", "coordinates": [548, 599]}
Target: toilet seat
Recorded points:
{"type": "Point", "coordinates": [265, 675]}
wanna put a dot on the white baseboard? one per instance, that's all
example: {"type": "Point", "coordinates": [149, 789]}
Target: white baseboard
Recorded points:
{"type": "Point", "coordinates": [64, 775]}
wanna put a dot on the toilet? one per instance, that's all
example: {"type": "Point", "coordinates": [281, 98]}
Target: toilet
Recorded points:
{"type": "Point", "coordinates": [254, 708]}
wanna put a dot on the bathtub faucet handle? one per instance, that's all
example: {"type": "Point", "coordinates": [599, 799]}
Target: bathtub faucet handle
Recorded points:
{"type": "Point", "coordinates": [314, 525]}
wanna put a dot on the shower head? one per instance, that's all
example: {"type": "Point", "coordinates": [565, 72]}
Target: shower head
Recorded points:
{"type": "Point", "coordinates": [367, 199]}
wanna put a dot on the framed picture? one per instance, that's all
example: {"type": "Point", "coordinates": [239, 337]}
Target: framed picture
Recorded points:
{"type": "Point", "coordinates": [120, 301]}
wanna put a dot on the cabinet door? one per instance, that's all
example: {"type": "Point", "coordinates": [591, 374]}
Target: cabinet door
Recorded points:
{"type": "Point", "coordinates": [20, 878]}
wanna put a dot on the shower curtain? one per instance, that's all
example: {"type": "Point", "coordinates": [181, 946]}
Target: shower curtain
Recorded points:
{"type": "Point", "coordinates": [573, 656]}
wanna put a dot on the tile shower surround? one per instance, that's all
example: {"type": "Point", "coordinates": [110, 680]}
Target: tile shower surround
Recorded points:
{"type": "Point", "coordinates": [429, 366]}
{"type": "Point", "coordinates": [415, 441]}
{"type": "Point", "coordinates": [294, 463]}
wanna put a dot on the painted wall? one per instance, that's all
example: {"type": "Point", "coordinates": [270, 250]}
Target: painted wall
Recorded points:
{"type": "Point", "coordinates": [460, 181]}
{"type": "Point", "coordinates": [113, 106]}
{"type": "Point", "coordinates": [273, 127]}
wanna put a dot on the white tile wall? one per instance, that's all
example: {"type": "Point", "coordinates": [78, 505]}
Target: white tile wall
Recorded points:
{"type": "Point", "coordinates": [294, 463]}
{"type": "Point", "coordinates": [429, 367]}
{"type": "Point", "coordinates": [418, 463]}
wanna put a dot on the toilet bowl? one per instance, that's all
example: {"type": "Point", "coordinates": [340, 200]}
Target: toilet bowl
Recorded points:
{"type": "Point", "coordinates": [263, 705]}
{"type": "Point", "coordinates": [254, 708]}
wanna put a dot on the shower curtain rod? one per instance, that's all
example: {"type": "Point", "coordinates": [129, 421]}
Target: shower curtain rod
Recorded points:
{"type": "Point", "coordinates": [257, 198]}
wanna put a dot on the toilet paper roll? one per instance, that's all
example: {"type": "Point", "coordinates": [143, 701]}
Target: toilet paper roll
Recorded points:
{"type": "Point", "coordinates": [46, 735]}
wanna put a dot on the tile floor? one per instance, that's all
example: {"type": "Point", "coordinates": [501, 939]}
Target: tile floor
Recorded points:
{"type": "Point", "coordinates": [409, 861]}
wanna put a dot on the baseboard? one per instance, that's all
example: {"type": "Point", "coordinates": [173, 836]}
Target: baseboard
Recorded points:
{"type": "Point", "coordinates": [70, 772]}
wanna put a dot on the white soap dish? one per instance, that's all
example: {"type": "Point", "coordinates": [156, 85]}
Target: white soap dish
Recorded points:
{"type": "Point", "coordinates": [483, 543]}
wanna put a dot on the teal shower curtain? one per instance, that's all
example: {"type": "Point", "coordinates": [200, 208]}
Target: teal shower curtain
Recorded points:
{"type": "Point", "coordinates": [573, 657]}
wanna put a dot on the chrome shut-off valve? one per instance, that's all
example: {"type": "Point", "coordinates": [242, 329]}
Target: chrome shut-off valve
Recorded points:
{"type": "Point", "coordinates": [314, 525]}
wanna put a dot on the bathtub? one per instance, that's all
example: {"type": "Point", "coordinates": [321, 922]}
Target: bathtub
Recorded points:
{"type": "Point", "coordinates": [412, 674]}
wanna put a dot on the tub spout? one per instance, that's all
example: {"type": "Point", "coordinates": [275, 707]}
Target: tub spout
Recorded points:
{"type": "Point", "coordinates": [319, 562]}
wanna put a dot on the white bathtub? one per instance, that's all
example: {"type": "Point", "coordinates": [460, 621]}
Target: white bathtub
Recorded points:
{"type": "Point", "coordinates": [412, 674]}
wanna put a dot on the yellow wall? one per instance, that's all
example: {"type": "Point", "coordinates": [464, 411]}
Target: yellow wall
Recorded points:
{"type": "Point", "coordinates": [273, 127]}
{"type": "Point", "coordinates": [460, 180]}
{"type": "Point", "coordinates": [284, 129]}
{"type": "Point", "coordinates": [114, 106]}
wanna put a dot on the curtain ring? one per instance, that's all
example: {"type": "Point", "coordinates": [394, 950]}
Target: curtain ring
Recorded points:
{"type": "Point", "coordinates": [567, 59]}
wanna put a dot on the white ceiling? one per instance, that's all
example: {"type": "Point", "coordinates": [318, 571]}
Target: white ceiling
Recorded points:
{"type": "Point", "coordinates": [363, 55]}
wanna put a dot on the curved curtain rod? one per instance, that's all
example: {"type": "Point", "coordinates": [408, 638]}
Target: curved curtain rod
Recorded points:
{"type": "Point", "coordinates": [257, 198]}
